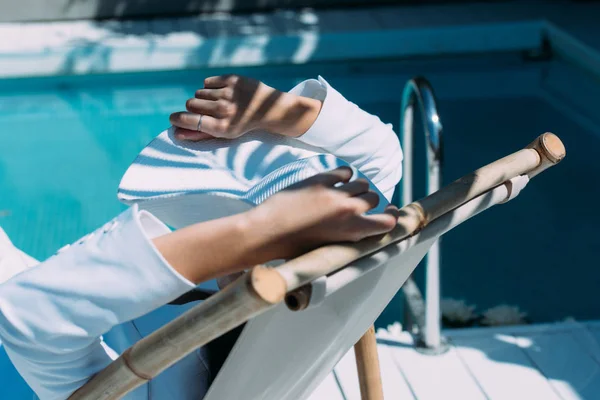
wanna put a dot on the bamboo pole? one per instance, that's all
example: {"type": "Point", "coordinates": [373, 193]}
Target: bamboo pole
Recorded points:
{"type": "Point", "coordinates": [545, 151]}
{"type": "Point", "coordinates": [262, 288]}
{"type": "Point", "coordinates": [367, 365]}
{"type": "Point", "coordinates": [250, 295]}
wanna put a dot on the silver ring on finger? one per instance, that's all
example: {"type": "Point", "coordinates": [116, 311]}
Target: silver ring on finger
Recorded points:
{"type": "Point", "coordinates": [199, 123]}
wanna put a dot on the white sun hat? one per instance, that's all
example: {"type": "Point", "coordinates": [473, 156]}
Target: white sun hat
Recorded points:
{"type": "Point", "coordinates": [184, 182]}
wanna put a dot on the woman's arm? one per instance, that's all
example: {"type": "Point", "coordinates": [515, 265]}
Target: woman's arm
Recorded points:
{"type": "Point", "coordinates": [233, 105]}
{"type": "Point", "coordinates": [299, 218]}
{"type": "Point", "coordinates": [350, 133]}
{"type": "Point", "coordinates": [313, 112]}
{"type": "Point", "coordinates": [52, 316]}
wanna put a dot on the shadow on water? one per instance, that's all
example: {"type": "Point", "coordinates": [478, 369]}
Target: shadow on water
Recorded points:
{"type": "Point", "coordinates": [208, 39]}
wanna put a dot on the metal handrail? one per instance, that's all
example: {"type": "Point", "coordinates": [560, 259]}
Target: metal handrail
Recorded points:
{"type": "Point", "coordinates": [419, 93]}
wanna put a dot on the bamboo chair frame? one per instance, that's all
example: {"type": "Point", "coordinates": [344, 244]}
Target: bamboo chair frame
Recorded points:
{"type": "Point", "coordinates": [262, 287]}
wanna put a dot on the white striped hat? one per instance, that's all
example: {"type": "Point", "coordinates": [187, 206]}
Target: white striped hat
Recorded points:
{"type": "Point", "coordinates": [184, 182]}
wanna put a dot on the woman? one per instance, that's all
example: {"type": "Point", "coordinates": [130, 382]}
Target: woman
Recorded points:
{"type": "Point", "coordinates": [53, 316]}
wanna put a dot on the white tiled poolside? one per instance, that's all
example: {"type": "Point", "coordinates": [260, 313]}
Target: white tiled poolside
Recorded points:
{"type": "Point", "coordinates": [297, 37]}
{"type": "Point", "coordinates": [554, 361]}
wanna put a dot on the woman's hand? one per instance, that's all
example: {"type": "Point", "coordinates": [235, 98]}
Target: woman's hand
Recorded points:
{"type": "Point", "coordinates": [229, 106]}
{"type": "Point", "coordinates": [315, 212]}
{"type": "Point", "coordinates": [309, 214]}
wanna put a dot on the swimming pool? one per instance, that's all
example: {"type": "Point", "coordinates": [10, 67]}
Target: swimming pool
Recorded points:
{"type": "Point", "coordinates": [65, 143]}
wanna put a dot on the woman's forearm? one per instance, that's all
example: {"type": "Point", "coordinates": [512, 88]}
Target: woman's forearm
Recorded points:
{"type": "Point", "coordinates": [355, 136]}
{"type": "Point", "coordinates": [215, 248]}
{"type": "Point", "coordinates": [293, 116]}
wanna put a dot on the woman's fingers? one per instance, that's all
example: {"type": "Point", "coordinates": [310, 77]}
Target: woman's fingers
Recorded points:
{"type": "Point", "coordinates": [365, 202]}
{"type": "Point", "coordinates": [393, 211]}
{"type": "Point", "coordinates": [185, 120]}
{"type": "Point", "coordinates": [217, 109]}
{"type": "Point", "coordinates": [218, 82]}
{"type": "Point", "coordinates": [215, 94]}
{"type": "Point", "coordinates": [329, 178]}
{"type": "Point", "coordinates": [355, 188]}
{"type": "Point", "coordinates": [207, 118]}
{"type": "Point", "coordinates": [375, 224]}
{"type": "Point", "coordinates": [191, 121]}
{"type": "Point", "coordinates": [186, 134]}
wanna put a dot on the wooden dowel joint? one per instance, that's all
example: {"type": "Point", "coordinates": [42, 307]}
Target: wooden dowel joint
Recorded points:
{"type": "Point", "coordinates": [550, 149]}
{"type": "Point", "coordinates": [412, 219]}
{"type": "Point", "coordinates": [299, 299]}
{"type": "Point", "coordinates": [267, 284]}
{"type": "Point", "coordinates": [421, 214]}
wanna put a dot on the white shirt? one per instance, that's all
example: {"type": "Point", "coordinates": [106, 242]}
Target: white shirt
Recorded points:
{"type": "Point", "coordinates": [66, 319]}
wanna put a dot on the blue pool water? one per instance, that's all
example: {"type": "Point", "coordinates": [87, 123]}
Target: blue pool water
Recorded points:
{"type": "Point", "coordinates": [65, 142]}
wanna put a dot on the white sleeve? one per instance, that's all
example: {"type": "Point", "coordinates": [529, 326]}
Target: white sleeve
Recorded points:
{"type": "Point", "coordinates": [12, 260]}
{"type": "Point", "coordinates": [52, 316]}
{"type": "Point", "coordinates": [359, 138]}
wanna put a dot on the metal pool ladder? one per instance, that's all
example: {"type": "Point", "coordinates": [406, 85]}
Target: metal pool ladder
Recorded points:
{"type": "Point", "coordinates": [418, 96]}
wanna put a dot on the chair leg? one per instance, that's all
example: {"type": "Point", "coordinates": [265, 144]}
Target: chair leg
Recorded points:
{"type": "Point", "coordinates": [367, 364]}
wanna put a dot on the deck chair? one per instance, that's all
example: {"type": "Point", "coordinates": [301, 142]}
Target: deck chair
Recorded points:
{"type": "Point", "coordinates": [303, 315]}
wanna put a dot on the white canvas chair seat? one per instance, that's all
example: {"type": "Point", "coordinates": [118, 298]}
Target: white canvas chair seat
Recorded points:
{"type": "Point", "coordinates": [284, 354]}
